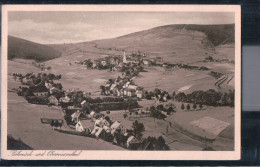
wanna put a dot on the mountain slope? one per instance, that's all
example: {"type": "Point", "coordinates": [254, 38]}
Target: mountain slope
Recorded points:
{"type": "Point", "coordinates": [24, 49]}
{"type": "Point", "coordinates": [174, 43]}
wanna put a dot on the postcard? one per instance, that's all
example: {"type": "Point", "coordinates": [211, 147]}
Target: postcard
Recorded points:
{"type": "Point", "coordinates": [121, 82]}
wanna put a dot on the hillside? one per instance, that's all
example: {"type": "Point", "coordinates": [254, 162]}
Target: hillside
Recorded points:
{"type": "Point", "coordinates": [24, 49]}
{"type": "Point", "coordinates": [174, 43]}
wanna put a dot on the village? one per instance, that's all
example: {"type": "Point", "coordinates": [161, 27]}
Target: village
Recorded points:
{"type": "Point", "coordinates": [90, 116]}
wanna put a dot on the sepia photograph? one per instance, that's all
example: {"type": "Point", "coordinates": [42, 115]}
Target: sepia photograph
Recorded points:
{"type": "Point", "coordinates": [134, 82]}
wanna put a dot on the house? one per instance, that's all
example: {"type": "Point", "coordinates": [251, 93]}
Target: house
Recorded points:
{"type": "Point", "coordinates": [73, 108]}
{"type": "Point", "coordinates": [91, 114]}
{"type": "Point", "coordinates": [100, 133]}
{"type": "Point", "coordinates": [75, 116]}
{"type": "Point", "coordinates": [65, 99]}
{"type": "Point", "coordinates": [115, 126]}
{"type": "Point", "coordinates": [164, 113]}
{"type": "Point", "coordinates": [40, 94]}
{"type": "Point", "coordinates": [131, 92]}
{"type": "Point", "coordinates": [103, 62]}
{"type": "Point", "coordinates": [146, 62]}
{"type": "Point", "coordinates": [85, 105]}
{"type": "Point", "coordinates": [48, 85]}
{"type": "Point", "coordinates": [97, 123]}
{"type": "Point", "coordinates": [107, 129]}
{"type": "Point", "coordinates": [124, 131]}
{"type": "Point", "coordinates": [125, 92]}
{"type": "Point", "coordinates": [119, 92]}
{"type": "Point", "coordinates": [53, 100]}
{"type": "Point", "coordinates": [40, 91]}
{"type": "Point", "coordinates": [53, 90]}
{"type": "Point", "coordinates": [132, 143]}
{"type": "Point", "coordinates": [132, 87]}
{"type": "Point", "coordinates": [95, 129]}
{"type": "Point", "coordinates": [104, 122]}
{"type": "Point", "coordinates": [112, 86]}
{"type": "Point", "coordinates": [139, 92]}
{"type": "Point", "coordinates": [83, 125]}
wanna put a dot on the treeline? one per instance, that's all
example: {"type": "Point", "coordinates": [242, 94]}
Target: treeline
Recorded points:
{"type": "Point", "coordinates": [209, 97]}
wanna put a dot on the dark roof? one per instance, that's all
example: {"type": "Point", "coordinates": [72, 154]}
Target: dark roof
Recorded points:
{"type": "Point", "coordinates": [39, 88]}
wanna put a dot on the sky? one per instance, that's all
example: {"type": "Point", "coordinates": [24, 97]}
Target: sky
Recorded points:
{"type": "Point", "coordinates": [71, 27]}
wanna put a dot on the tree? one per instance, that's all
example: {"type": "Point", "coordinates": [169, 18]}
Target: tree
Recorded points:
{"type": "Point", "coordinates": [182, 106]}
{"type": "Point", "coordinates": [125, 115]}
{"type": "Point", "coordinates": [194, 106]}
{"type": "Point", "coordinates": [136, 113]}
{"type": "Point", "coordinates": [160, 107]}
{"type": "Point", "coordinates": [200, 106]}
{"type": "Point", "coordinates": [160, 143]}
{"type": "Point", "coordinates": [138, 129]}
{"type": "Point", "coordinates": [52, 124]}
{"type": "Point", "coordinates": [173, 95]}
{"type": "Point", "coordinates": [108, 112]}
{"type": "Point", "coordinates": [59, 86]}
{"type": "Point", "coordinates": [27, 92]}
{"type": "Point", "coordinates": [188, 107]}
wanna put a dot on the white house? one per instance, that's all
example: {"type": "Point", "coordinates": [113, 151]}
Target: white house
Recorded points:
{"type": "Point", "coordinates": [112, 86]}
{"type": "Point", "coordinates": [97, 123]}
{"type": "Point", "coordinates": [53, 90]}
{"type": "Point", "coordinates": [53, 100]}
{"type": "Point", "coordinates": [131, 140]}
{"type": "Point", "coordinates": [116, 125]}
{"type": "Point", "coordinates": [83, 125]}
{"type": "Point", "coordinates": [107, 129]}
{"type": "Point", "coordinates": [65, 99]}
{"type": "Point", "coordinates": [91, 114]}
{"type": "Point", "coordinates": [103, 62]}
{"type": "Point", "coordinates": [104, 122]}
{"type": "Point", "coordinates": [75, 116]}
{"type": "Point", "coordinates": [132, 87]}
{"type": "Point", "coordinates": [48, 85]}
{"type": "Point", "coordinates": [95, 129]}
{"type": "Point", "coordinates": [139, 93]}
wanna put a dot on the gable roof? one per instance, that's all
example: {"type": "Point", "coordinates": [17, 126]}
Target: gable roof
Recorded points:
{"type": "Point", "coordinates": [133, 87]}
{"type": "Point", "coordinates": [76, 114]}
{"type": "Point", "coordinates": [52, 98]}
{"type": "Point", "coordinates": [86, 123]}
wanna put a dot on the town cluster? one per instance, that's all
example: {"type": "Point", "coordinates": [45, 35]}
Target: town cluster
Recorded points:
{"type": "Point", "coordinates": [102, 127]}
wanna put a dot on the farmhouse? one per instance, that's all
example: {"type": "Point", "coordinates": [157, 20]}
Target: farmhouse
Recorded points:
{"type": "Point", "coordinates": [139, 92]}
{"type": "Point", "coordinates": [40, 91]}
{"type": "Point", "coordinates": [115, 126]}
{"type": "Point", "coordinates": [104, 122]}
{"type": "Point", "coordinates": [83, 125]}
{"type": "Point", "coordinates": [53, 100]}
{"type": "Point", "coordinates": [132, 143]}
{"type": "Point", "coordinates": [75, 116]}
{"type": "Point", "coordinates": [65, 99]}
{"type": "Point", "coordinates": [54, 90]}
{"type": "Point", "coordinates": [48, 85]}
